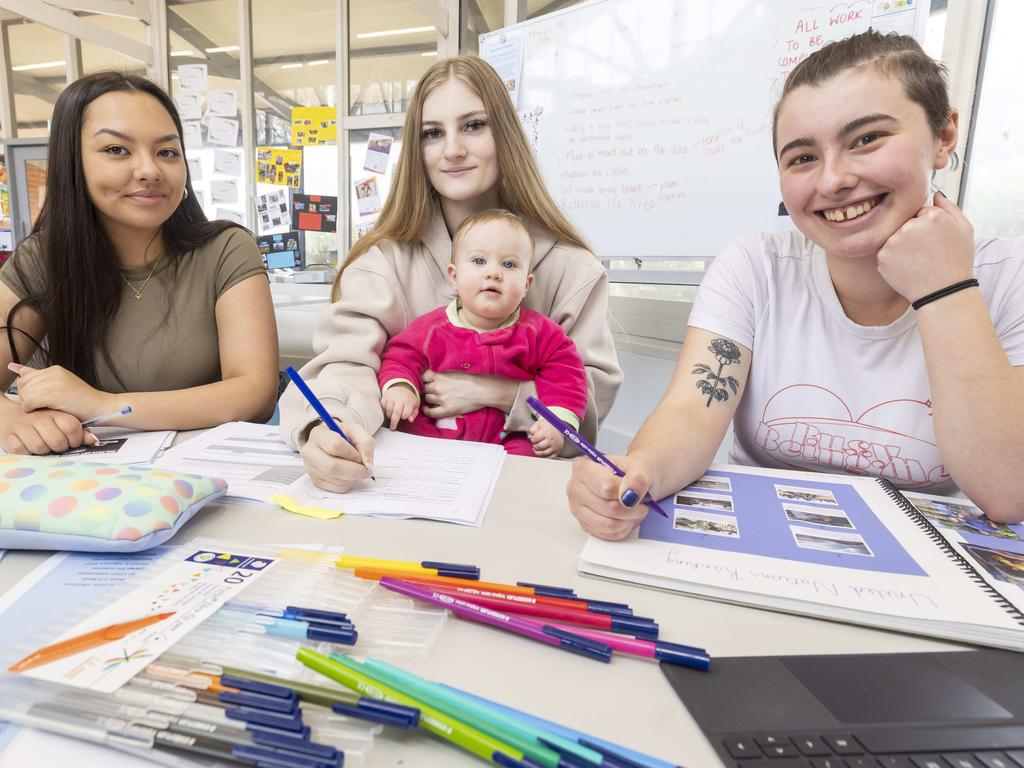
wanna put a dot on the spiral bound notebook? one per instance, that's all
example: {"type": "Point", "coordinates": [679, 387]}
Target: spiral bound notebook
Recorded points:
{"type": "Point", "coordinates": [852, 549]}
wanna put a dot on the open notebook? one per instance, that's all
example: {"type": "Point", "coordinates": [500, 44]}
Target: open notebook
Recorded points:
{"type": "Point", "coordinates": [846, 548]}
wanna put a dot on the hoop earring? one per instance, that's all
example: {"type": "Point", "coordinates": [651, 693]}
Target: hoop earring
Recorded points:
{"type": "Point", "coordinates": [185, 196]}
{"type": "Point", "coordinates": [954, 161]}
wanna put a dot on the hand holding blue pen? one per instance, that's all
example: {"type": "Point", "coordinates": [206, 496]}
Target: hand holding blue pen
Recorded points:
{"type": "Point", "coordinates": [584, 445]}
{"type": "Point", "coordinates": [317, 406]}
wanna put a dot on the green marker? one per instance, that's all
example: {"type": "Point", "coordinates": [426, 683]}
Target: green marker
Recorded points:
{"type": "Point", "coordinates": [349, 673]}
{"type": "Point", "coordinates": [493, 723]}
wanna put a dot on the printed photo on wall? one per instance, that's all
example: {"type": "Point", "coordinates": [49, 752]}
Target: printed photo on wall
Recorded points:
{"type": "Point", "coordinates": [272, 212]}
{"type": "Point", "coordinates": [367, 196]}
{"type": "Point", "coordinates": [315, 213]}
{"type": "Point", "coordinates": [364, 227]}
{"type": "Point", "coordinates": [279, 166]}
{"type": "Point", "coordinates": [378, 150]}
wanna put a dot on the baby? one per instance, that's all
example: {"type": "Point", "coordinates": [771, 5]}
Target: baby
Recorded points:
{"type": "Point", "coordinates": [485, 332]}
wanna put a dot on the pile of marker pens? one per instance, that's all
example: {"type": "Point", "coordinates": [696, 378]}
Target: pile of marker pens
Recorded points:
{"type": "Point", "coordinates": [550, 615]}
{"type": "Point", "coordinates": [231, 692]}
{"type": "Point", "coordinates": [185, 712]}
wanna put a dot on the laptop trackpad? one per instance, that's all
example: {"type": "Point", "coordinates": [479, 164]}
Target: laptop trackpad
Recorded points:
{"type": "Point", "coordinates": [897, 689]}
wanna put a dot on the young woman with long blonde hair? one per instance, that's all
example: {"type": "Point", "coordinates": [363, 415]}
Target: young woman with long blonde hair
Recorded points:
{"type": "Point", "coordinates": [463, 151]}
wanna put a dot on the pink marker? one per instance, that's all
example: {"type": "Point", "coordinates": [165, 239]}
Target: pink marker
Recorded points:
{"type": "Point", "coordinates": [671, 653]}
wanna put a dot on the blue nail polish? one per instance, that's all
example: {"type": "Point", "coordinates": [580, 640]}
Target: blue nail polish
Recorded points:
{"type": "Point", "coordinates": [630, 498]}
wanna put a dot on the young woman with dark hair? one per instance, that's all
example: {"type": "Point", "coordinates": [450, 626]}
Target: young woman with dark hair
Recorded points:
{"type": "Point", "coordinates": [881, 337]}
{"type": "Point", "coordinates": [128, 293]}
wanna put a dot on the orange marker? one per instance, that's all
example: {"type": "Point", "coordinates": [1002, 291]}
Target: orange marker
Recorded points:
{"type": "Point", "coordinates": [376, 574]}
{"type": "Point", "coordinates": [93, 639]}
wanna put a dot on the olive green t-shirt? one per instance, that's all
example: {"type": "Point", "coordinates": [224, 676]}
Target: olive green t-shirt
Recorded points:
{"type": "Point", "coordinates": [167, 339]}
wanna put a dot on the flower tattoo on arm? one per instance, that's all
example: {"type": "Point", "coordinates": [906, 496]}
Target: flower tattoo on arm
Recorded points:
{"type": "Point", "coordinates": [714, 385]}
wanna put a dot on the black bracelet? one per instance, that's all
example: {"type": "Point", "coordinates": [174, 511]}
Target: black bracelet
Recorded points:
{"type": "Point", "coordinates": [944, 292]}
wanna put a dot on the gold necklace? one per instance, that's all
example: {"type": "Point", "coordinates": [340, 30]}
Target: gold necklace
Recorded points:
{"type": "Point", "coordinates": [139, 291]}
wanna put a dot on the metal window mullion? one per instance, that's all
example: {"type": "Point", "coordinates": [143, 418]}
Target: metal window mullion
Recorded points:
{"type": "Point", "coordinates": [8, 114]}
{"type": "Point", "coordinates": [515, 11]}
{"type": "Point", "coordinates": [156, 35]}
{"type": "Point", "coordinates": [343, 234]}
{"type": "Point", "coordinates": [248, 107]}
{"type": "Point", "coordinates": [961, 52]}
{"type": "Point", "coordinates": [72, 58]}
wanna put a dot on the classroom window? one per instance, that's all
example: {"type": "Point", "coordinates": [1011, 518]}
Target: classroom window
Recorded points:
{"type": "Point", "coordinates": [536, 8]}
{"type": "Point", "coordinates": [478, 17]}
{"type": "Point", "coordinates": [39, 52]}
{"type": "Point", "coordinates": [995, 161]}
{"type": "Point", "coordinates": [391, 43]}
{"type": "Point", "coordinates": [294, 62]}
{"type": "Point", "coordinates": [207, 91]}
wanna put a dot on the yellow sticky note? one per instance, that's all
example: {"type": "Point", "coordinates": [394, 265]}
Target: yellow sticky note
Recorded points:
{"type": "Point", "coordinates": [288, 503]}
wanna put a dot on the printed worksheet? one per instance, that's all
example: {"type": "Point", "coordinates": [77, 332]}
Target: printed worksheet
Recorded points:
{"type": "Point", "coordinates": [446, 480]}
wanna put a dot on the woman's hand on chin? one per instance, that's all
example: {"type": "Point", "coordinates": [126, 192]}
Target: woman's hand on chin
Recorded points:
{"type": "Point", "coordinates": [933, 250]}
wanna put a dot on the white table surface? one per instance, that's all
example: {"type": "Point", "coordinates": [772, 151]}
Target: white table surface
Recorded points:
{"type": "Point", "coordinates": [529, 535]}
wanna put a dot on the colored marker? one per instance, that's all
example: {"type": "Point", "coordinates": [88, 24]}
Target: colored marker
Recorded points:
{"type": "Point", "coordinates": [299, 630]}
{"type": "Point", "coordinates": [314, 401]}
{"type": "Point", "coordinates": [545, 633]}
{"type": "Point", "coordinates": [670, 653]}
{"type": "Point", "coordinates": [376, 574]}
{"type": "Point", "coordinates": [95, 421]}
{"type": "Point", "coordinates": [625, 756]}
{"type": "Point", "coordinates": [344, 702]}
{"type": "Point", "coordinates": [503, 727]}
{"type": "Point", "coordinates": [593, 606]}
{"type": "Point", "coordinates": [427, 567]}
{"type": "Point", "coordinates": [630, 625]}
{"type": "Point", "coordinates": [350, 674]}
{"type": "Point", "coordinates": [592, 453]}
{"type": "Point", "coordinates": [85, 642]}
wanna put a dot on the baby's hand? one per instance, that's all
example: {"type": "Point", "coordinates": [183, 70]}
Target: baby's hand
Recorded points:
{"type": "Point", "coordinates": [399, 402]}
{"type": "Point", "coordinates": [546, 440]}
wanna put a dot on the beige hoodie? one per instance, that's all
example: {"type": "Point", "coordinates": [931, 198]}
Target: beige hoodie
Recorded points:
{"type": "Point", "coordinates": [393, 283]}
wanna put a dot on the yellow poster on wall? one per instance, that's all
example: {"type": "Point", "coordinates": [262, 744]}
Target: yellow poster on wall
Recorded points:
{"type": "Point", "coordinates": [314, 125]}
{"type": "Point", "coordinates": [279, 166]}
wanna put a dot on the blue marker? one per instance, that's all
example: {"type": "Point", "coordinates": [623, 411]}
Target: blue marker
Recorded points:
{"type": "Point", "coordinates": [592, 453]}
{"type": "Point", "coordinates": [314, 401]}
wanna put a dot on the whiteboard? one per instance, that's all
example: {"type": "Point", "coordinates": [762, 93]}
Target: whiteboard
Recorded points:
{"type": "Point", "coordinates": [651, 119]}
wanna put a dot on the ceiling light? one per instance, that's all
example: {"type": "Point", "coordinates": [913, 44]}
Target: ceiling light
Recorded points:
{"type": "Point", "coordinates": [183, 53]}
{"type": "Point", "coordinates": [390, 32]}
{"type": "Point", "coordinates": [41, 65]}
{"type": "Point", "coordinates": [223, 49]}
{"type": "Point", "coordinates": [429, 53]}
{"type": "Point", "coordinates": [318, 62]}
{"type": "Point", "coordinates": [293, 65]}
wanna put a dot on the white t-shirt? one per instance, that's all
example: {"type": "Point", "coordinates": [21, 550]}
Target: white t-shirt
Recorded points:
{"type": "Point", "coordinates": [825, 393]}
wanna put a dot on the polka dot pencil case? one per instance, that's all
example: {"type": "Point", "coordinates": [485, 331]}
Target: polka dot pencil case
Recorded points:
{"type": "Point", "coordinates": [53, 502]}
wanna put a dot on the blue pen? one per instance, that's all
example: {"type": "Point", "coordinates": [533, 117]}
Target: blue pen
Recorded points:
{"type": "Point", "coordinates": [314, 401]}
{"type": "Point", "coordinates": [592, 453]}
{"type": "Point", "coordinates": [97, 420]}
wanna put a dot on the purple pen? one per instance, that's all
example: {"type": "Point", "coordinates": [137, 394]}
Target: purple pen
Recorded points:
{"type": "Point", "coordinates": [584, 445]}
{"type": "Point", "coordinates": [545, 633]}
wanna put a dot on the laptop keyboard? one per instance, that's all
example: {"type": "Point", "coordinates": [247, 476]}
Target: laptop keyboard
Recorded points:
{"type": "Point", "coordinates": [952, 747]}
